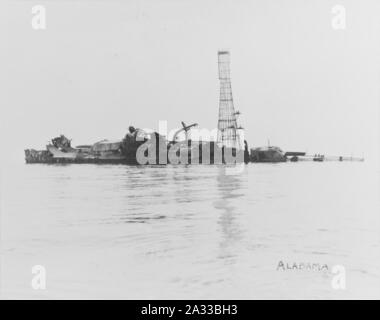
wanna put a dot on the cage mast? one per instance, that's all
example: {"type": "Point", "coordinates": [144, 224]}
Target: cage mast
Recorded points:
{"type": "Point", "coordinates": [228, 135]}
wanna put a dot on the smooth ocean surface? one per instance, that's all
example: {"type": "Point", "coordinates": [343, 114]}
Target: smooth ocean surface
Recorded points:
{"type": "Point", "coordinates": [193, 232]}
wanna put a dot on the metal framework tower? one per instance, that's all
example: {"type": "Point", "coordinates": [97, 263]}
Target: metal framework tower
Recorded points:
{"type": "Point", "coordinates": [228, 135]}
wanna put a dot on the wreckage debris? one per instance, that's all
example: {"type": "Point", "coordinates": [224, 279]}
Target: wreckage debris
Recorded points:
{"type": "Point", "coordinates": [141, 147]}
{"type": "Point", "coordinates": [137, 147]}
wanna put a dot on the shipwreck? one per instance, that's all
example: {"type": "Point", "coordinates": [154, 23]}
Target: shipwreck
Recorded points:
{"type": "Point", "coordinates": [141, 147]}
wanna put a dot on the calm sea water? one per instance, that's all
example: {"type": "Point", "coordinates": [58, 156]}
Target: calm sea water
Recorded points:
{"type": "Point", "coordinates": [195, 232]}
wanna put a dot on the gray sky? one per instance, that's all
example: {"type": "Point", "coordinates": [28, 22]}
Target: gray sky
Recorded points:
{"type": "Point", "coordinates": [101, 66]}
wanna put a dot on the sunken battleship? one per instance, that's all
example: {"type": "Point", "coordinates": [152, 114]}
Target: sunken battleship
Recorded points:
{"type": "Point", "coordinates": [139, 147]}
{"type": "Point", "coordinates": [142, 147]}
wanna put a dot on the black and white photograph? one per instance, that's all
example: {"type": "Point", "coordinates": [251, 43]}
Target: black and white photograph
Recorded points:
{"type": "Point", "coordinates": [189, 150]}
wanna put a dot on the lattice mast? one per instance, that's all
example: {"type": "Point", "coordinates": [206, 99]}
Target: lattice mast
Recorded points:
{"type": "Point", "coordinates": [228, 135]}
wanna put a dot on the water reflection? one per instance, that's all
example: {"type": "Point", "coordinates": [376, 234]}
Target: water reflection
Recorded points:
{"type": "Point", "coordinates": [228, 186]}
{"type": "Point", "coordinates": [142, 194]}
{"type": "Point", "coordinates": [188, 232]}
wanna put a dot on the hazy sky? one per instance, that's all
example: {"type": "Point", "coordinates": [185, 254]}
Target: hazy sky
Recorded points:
{"type": "Point", "coordinates": [101, 66]}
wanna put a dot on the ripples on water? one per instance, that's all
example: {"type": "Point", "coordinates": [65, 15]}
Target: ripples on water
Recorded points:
{"type": "Point", "coordinates": [107, 231]}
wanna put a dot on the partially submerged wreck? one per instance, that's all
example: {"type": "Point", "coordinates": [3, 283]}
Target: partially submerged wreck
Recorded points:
{"type": "Point", "coordinates": [141, 147]}
{"type": "Point", "coordinates": [138, 147]}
